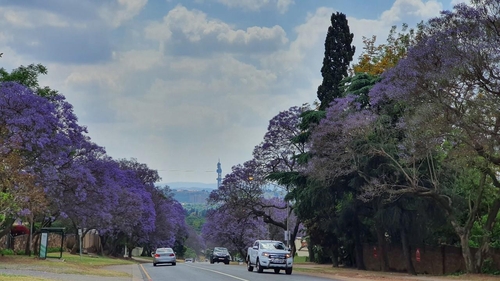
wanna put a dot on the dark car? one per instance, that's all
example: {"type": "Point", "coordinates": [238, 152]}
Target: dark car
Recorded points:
{"type": "Point", "coordinates": [220, 254]}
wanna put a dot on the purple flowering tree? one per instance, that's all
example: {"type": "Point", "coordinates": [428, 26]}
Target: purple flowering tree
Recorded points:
{"type": "Point", "coordinates": [137, 199]}
{"type": "Point", "coordinates": [248, 185]}
{"type": "Point", "coordinates": [170, 226]}
{"type": "Point", "coordinates": [441, 105]}
{"type": "Point", "coordinates": [232, 228]}
{"type": "Point", "coordinates": [338, 156]}
{"type": "Point", "coordinates": [278, 155]}
{"type": "Point", "coordinates": [195, 241]}
{"type": "Point", "coordinates": [89, 194]}
{"type": "Point", "coordinates": [43, 133]}
{"type": "Point", "coordinates": [51, 168]}
{"type": "Point", "coordinates": [278, 152]}
{"type": "Point", "coordinates": [333, 142]}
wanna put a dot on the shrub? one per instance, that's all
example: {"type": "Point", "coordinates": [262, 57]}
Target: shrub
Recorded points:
{"type": "Point", "coordinates": [489, 267]}
{"type": "Point", "coordinates": [53, 249]}
{"type": "Point", "coordinates": [6, 252]}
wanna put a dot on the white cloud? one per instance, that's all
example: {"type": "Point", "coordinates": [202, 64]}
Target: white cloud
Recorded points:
{"type": "Point", "coordinates": [215, 106]}
{"type": "Point", "coordinates": [31, 18]}
{"type": "Point", "coordinates": [110, 76]}
{"type": "Point", "coordinates": [253, 34]}
{"type": "Point", "coordinates": [256, 5]}
{"type": "Point", "coordinates": [195, 26]}
{"type": "Point", "coordinates": [283, 5]}
{"type": "Point", "coordinates": [310, 36]}
{"type": "Point", "coordinates": [121, 11]}
{"type": "Point", "coordinates": [417, 8]}
{"type": "Point", "coordinates": [455, 2]}
{"type": "Point", "coordinates": [210, 90]}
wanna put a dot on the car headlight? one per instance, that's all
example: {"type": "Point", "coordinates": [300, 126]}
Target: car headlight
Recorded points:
{"type": "Point", "coordinates": [288, 255]}
{"type": "Point", "coordinates": [265, 254]}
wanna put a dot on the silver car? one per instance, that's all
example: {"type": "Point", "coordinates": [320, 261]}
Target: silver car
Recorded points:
{"type": "Point", "coordinates": [164, 255]}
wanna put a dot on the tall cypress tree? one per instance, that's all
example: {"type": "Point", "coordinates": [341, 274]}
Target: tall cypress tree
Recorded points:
{"type": "Point", "coordinates": [338, 55]}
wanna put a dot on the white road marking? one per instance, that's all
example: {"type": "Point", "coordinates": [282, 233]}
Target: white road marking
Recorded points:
{"type": "Point", "coordinates": [221, 273]}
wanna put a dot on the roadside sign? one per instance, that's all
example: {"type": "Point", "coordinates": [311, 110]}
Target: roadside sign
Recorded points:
{"type": "Point", "coordinates": [43, 245]}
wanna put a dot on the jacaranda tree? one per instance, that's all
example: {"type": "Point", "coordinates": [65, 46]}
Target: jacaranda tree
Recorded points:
{"type": "Point", "coordinates": [42, 134]}
{"type": "Point", "coordinates": [234, 229]}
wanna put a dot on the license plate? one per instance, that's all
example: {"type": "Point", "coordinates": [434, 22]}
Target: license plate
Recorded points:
{"type": "Point", "coordinates": [278, 261]}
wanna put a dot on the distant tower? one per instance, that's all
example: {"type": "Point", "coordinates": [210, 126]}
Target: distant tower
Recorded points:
{"type": "Point", "coordinates": [219, 174]}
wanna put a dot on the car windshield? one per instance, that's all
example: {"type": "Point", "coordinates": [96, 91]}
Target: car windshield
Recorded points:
{"type": "Point", "coordinates": [220, 250]}
{"type": "Point", "coordinates": [164, 250]}
{"type": "Point", "coordinates": [272, 246]}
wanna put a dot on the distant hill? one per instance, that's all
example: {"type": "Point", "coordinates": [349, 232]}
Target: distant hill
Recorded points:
{"type": "Point", "coordinates": [190, 192]}
{"type": "Point", "coordinates": [189, 185]}
{"type": "Point", "coordinates": [191, 196]}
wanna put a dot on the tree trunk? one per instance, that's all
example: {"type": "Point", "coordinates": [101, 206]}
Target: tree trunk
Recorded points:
{"type": "Point", "coordinates": [467, 254]}
{"type": "Point", "coordinates": [407, 252]}
{"type": "Point", "coordinates": [8, 225]}
{"type": "Point", "coordinates": [484, 245]}
{"type": "Point", "coordinates": [310, 247]}
{"type": "Point", "coordinates": [27, 248]}
{"type": "Point", "coordinates": [464, 231]}
{"type": "Point", "coordinates": [36, 244]}
{"type": "Point", "coordinates": [76, 246]}
{"type": "Point", "coordinates": [103, 243]}
{"type": "Point", "coordinates": [335, 253]}
{"type": "Point", "coordinates": [382, 247]}
{"type": "Point", "coordinates": [293, 248]}
{"type": "Point", "coordinates": [358, 245]}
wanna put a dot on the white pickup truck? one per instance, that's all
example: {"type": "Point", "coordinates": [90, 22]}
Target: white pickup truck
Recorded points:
{"type": "Point", "coordinates": [267, 254]}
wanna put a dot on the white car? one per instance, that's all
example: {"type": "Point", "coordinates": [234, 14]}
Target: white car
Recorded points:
{"type": "Point", "coordinates": [164, 255]}
{"type": "Point", "coordinates": [268, 254]}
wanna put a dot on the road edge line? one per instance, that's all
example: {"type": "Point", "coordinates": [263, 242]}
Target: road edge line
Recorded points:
{"type": "Point", "coordinates": [145, 272]}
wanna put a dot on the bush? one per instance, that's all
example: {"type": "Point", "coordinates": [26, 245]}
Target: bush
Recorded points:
{"type": "Point", "coordinates": [53, 249]}
{"type": "Point", "coordinates": [489, 267]}
{"type": "Point", "coordinates": [6, 252]}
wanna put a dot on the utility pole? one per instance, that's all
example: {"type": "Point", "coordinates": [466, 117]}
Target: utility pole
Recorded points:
{"type": "Point", "coordinates": [287, 219]}
{"type": "Point", "coordinates": [31, 230]}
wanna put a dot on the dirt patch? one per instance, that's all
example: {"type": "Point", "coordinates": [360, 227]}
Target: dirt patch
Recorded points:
{"type": "Point", "coordinates": [345, 274]}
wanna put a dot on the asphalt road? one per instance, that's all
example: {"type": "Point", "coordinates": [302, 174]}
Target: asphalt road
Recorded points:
{"type": "Point", "coordinates": [218, 272]}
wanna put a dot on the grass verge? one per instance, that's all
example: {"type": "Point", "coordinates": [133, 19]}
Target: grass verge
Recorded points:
{"type": "Point", "coordinates": [8, 277]}
{"type": "Point", "coordinates": [69, 264]}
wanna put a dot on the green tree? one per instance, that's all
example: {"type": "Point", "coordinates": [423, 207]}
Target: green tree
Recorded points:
{"type": "Point", "coordinates": [195, 221]}
{"type": "Point", "coordinates": [447, 91]}
{"type": "Point", "coordinates": [28, 76]}
{"type": "Point", "coordinates": [338, 56]}
{"type": "Point", "coordinates": [376, 59]}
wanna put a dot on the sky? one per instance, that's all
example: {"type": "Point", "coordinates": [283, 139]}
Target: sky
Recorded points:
{"type": "Point", "coordinates": [179, 85]}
